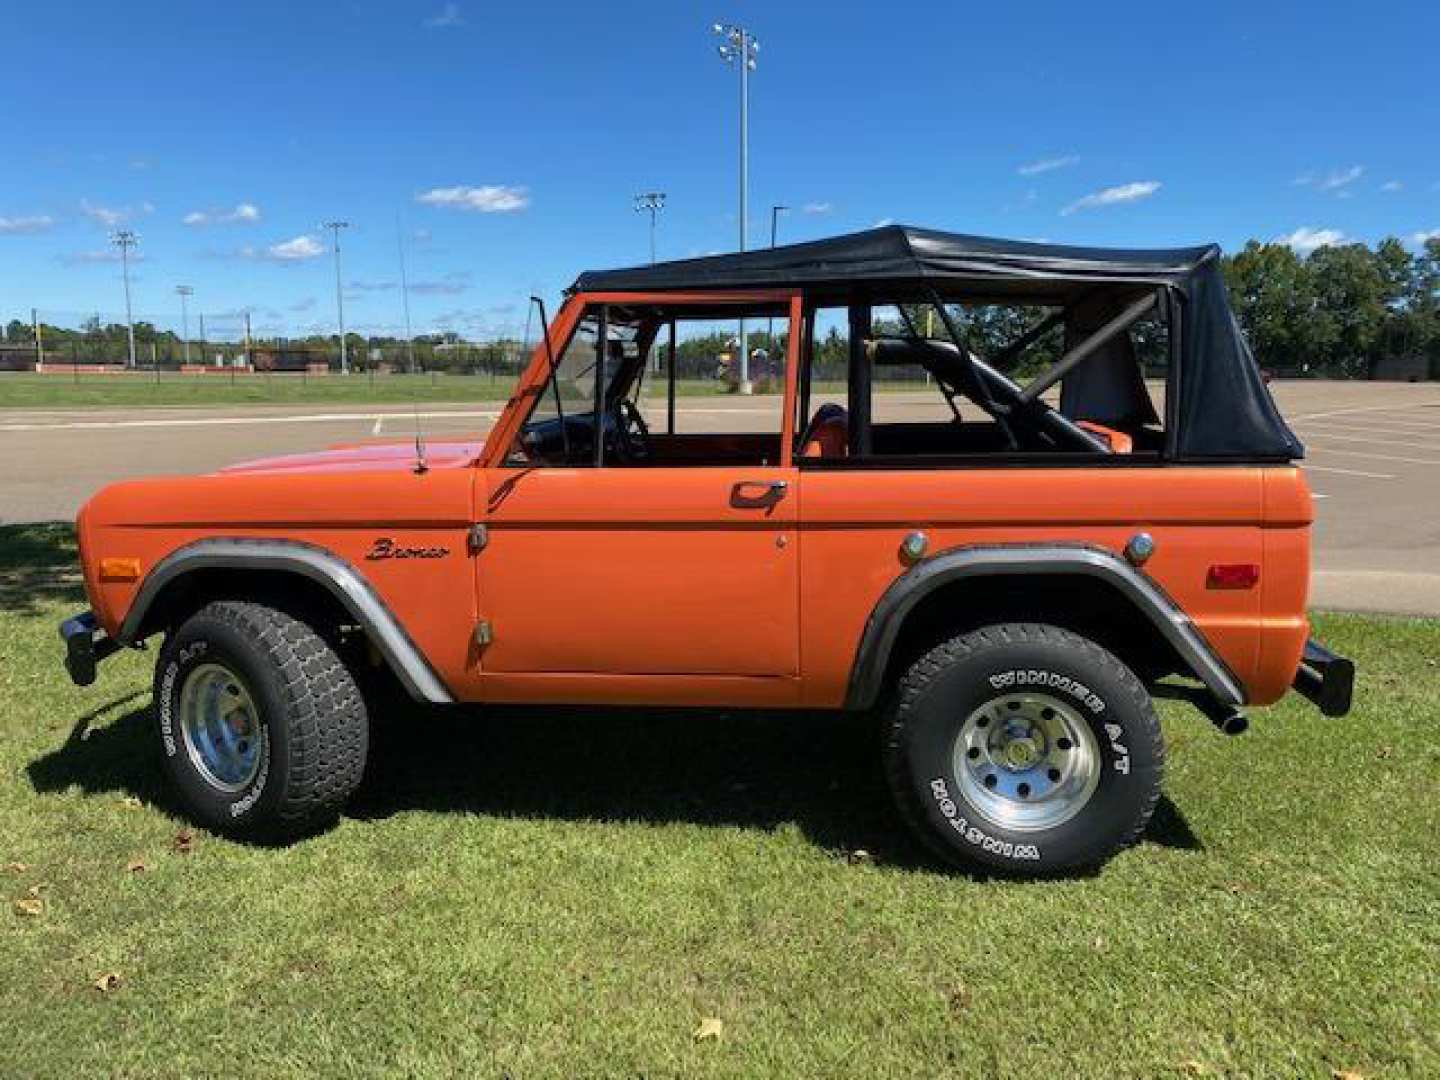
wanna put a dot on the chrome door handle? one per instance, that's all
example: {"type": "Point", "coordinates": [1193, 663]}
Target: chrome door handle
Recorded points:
{"type": "Point", "coordinates": [769, 493]}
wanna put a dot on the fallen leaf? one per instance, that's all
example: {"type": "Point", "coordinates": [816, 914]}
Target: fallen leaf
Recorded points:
{"type": "Point", "coordinates": [107, 982]}
{"type": "Point", "coordinates": [959, 1000]}
{"type": "Point", "coordinates": [16, 867]}
{"type": "Point", "coordinates": [184, 842]}
{"type": "Point", "coordinates": [1195, 1066]}
{"type": "Point", "coordinates": [137, 866]}
{"type": "Point", "coordinates": [710, 1028]}
{"type": "Point", "coordinates": [29, 905]}
{"type": "Point", "coordinates": [130, 802]}
{"type": "Point", "coordinates": [858, 857]}
{"type": "Point", "coordinates": [1346, 1074]}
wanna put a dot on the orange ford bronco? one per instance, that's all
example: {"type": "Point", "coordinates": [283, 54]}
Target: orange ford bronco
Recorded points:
{"type": "Point", "coordinates": [996, 493]}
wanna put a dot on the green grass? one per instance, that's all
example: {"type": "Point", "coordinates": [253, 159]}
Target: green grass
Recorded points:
{"type": "Point", "coordinates": [572, 893]}
{"type": "Point", "coordinates": [26, 390]}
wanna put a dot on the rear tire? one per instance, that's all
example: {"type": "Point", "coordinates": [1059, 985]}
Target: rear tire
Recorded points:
{"type": "Point", "coordinates": [1023, 747]}
{"type": "Point", "coordinates": [262, 729]}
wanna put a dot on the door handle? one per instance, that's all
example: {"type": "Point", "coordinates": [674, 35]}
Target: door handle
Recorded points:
{"type": "Point", "coordinates": [758, 493]}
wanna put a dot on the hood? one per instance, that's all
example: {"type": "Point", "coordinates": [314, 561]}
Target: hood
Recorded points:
{"type": "Point", "coordinates": [366, 457]}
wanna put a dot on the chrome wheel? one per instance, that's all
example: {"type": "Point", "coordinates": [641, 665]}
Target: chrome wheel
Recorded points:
{"type": "Point", "coordinates": [221, 727]}
{"type": "Point", "coordinates": [1026, 761]}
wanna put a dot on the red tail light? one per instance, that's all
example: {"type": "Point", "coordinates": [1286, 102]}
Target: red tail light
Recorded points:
{"type": "Point", "coordinates": [1233, 576]}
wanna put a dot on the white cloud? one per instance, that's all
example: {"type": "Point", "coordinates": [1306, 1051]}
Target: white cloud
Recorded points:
{"type": "Point", "coordinates": [107, 216]}
{"type": "Point", "coordinates": [1419, 239]}
{"type": "Point", "coordinates": [300, 248]}
{"type": "Point", "coordinates": [816, 208]}
{"type": "Point", "coordinates": [1305, 239]}
{"type": "Point", "coordinates": [243, 213]}
{"type": "Point", "coordinates": [99, 255]}
{"type": "Point", "coordinates": [883, 222]}
{"type": "Point", "coordinates": [307, 304]}
{"type": "Point", "coordinates": [1122, 193]}
{"type": "Point", "coordinates": [487, 198]}
{"type": "Point", "coordinates": [451, 284]}
{"type": "Point", "coordinates": [448, 16]}
{"type": "Point", "coordinates": [1044, 165]}
{"type": "Point", "coordinates": [1392, 185]}
{"type": "Point", "coordinates": [1335, 180]}
{"type": "Point", "coordinates": [30, 223]}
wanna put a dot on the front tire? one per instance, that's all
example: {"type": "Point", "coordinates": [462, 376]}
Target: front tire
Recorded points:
{"type": "Point", "coordinates": [1023, 747]}
{"type": "Point", "coordinates": [262, 729]}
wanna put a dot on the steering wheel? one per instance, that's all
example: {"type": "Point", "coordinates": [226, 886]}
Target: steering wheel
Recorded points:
{"type": "Point", "coordinates": [632, 434]}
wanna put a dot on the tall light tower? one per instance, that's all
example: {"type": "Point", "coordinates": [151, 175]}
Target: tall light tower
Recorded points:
{"type": "Point", "coordinates": [124, 239]}
{"type": "Point", "coordinates": [335, 227]}
{"type": "Point", "coordinates": [185, 291]}
{"type": "Point", "coordinates": [653, 201]}
{"type": "Point", "coordinates": [739, 47]}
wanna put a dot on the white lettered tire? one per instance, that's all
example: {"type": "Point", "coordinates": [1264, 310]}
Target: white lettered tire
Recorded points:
{"type": "Point", "coordinates": [262, 729]}
{"type": "Point", "coordinates": [1023, 747]}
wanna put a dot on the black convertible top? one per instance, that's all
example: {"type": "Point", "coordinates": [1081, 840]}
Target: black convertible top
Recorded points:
{"type": "Point", "coordinates": [901, 253]}
{"type": "Point", "coordinates": [1222, 410]}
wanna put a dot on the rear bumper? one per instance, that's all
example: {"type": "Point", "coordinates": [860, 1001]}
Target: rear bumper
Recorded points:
{"type": "Point", "coordinates": [86, 644]}
{"type": "Point", "coordinates": [1326, 679]}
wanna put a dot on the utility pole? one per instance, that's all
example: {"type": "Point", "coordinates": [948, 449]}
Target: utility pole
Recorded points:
{"type": "Point", "coordinates": [39, 344]}
{"type": "Point", "coordinates": [405, 293]}
{"type": "Point", "coordinates": [185, 291]}
{"type": "Point", "coordinates": [653, 201]}
{"type": "Point", "coordinates": [335, 227]}
{"type": "Point", "coordinates": [124, 239]}
{"type": "Point", "coordinates": [738, 46]}
{"type": "Point", "coordinates": [247, 339]}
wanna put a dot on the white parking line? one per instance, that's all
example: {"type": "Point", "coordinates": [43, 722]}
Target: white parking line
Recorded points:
{"type": "Point", "coordinates": [1349, 472]}
{"type": "Point", "coordinates": [241, 421]}
{"type": "Point", "coordinates": [1377, 457]}
{"type": "Point", "coordinates": [1360, 409]}
{"type": "Point", "coordinates": [1407, 443]}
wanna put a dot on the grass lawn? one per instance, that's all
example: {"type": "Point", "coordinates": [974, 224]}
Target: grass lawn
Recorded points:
{"type": "Point", "coordinates": [576, 894]}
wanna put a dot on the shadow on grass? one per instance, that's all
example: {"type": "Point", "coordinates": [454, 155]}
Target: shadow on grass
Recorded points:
{"type": "Point", "coordinates": [38, 564]}
{"type": "Point", "coordinates": [818, 772]}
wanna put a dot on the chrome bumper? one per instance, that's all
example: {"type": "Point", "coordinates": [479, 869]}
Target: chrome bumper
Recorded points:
{"type": "Point", "coordinates": [1326, 679]}
{"type": "Point", "coordinates": [86, 644]}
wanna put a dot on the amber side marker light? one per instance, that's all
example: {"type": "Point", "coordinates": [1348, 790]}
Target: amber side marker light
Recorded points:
{"type": "Point", "coordinates": [119, 569]}
{"type": "Point", "coordinates": [1233, 576]}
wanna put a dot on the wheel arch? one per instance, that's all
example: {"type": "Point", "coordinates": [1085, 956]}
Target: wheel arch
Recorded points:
{"type": "Point", "coordinates": [300, 573]}
{"type": "Point", "coordinates": [1083, 588]}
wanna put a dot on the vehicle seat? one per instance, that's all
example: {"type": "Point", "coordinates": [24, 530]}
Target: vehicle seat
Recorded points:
{"type": "Point", "coordinates": [1120, 443]}
{"type": "Point", "coordinates": [828, 433]}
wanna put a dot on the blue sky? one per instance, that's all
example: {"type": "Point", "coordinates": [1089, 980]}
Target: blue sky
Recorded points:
{"type": "Point", "coordinates": [510, 140]}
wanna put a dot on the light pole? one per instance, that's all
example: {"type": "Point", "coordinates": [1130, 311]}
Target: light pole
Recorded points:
{"type": "Point", "coordinates": [124, 239]}
{"type": "Point", "coordinates": [185, 291]}
{"type": "Point", "coordinates": [775, 212]}
{"type": "Point", "coordinates": [335, 227]}
{"type": "Point", "coordinates": [653, 201]}
{"type": "Point", "coordinates": [739, 47]}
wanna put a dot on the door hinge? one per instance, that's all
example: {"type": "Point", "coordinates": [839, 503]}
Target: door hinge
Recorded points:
{"type": "Point", "coordinates": [484, 633]}
{"type": "Point", "coordinates": [479, 537]}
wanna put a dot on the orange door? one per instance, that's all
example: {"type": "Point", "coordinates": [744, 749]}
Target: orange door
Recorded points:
{"type": "Point", "coordinates": [640, 571]}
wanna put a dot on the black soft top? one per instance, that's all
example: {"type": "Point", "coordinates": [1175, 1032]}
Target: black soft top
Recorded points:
{"type": "Point", "coordinates": [1222, 410]}
{"type": "Point", "coordinates": [901, 253]}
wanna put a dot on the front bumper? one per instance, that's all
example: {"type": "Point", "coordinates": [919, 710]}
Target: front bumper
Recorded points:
{"type": "Point", "coordinates": [86, 644]}
{"type": "Point", "coordinates": [1326, 679]}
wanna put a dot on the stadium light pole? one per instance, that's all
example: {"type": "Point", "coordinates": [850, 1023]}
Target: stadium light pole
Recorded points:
{"type": "Point", "coordinates": [739, 47]}
{"type": "Point", "coordinates": [335, 227]}
{"type": "Point", "coordinates": [124, 239]}
{"type": "Point", "coordinates": [653, 201]}
{"type": "Point", "coordinates": [185, 291]}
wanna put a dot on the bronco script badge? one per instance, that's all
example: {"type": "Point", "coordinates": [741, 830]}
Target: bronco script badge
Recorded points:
{"type": "Point", "coordinates": [386, 548]}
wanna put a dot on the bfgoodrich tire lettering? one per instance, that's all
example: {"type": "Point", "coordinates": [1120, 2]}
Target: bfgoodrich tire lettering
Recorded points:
{"type": "Point", "coordinates": [303, 731]}
{"type": "Point", "coordinates": [1070, 781]}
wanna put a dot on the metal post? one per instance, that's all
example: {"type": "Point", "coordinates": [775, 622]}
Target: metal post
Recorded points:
{"type": "Point", "coordinates": [739, 45]}
{"type": "Point", "coordinates": [185, 291]}
{"type": "Point", "coordinates": [39, 344]}
{"type": "Point", "coordinates": [335, 227]}
{"type": "Point", "coordinates": [124, 239]}
{"type": "Point", "coordinates": [405, 294]}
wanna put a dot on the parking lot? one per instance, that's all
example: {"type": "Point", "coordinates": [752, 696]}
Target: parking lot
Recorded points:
{"type": "Point", "coordinates": [1373, 454]}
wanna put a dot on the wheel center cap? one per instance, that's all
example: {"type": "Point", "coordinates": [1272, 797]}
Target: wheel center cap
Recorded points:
{"type": "Point", "coordinates": [1021, 753]}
